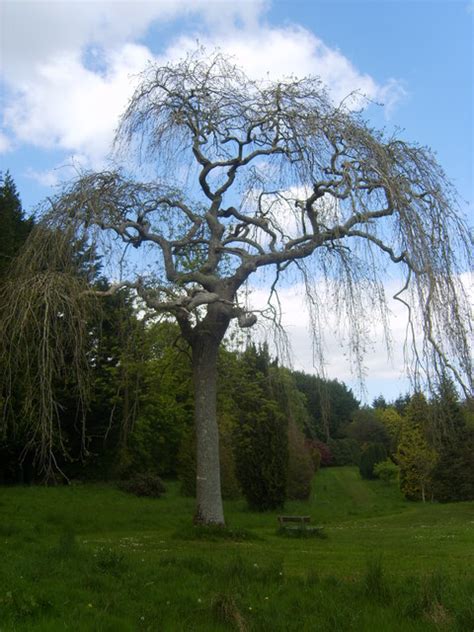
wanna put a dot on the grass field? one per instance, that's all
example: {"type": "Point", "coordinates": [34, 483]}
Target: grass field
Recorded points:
{"type": "Point", "coordinates": [89, 557]}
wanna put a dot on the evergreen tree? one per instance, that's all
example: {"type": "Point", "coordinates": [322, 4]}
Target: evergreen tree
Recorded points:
{"type": "Point", "coordinates": [415, 457]}
{"type": "Point", "coordinates": [261, 439]}
{"type": "Point", "coordinates": [453, 476]}
{"type": "Point", "coordinates": [14, 228]}
{"type": "Point", "coordinates": [448, 417]}
{"type": "Point", "coordinates": [379, 402]}
{"type": "Point", "coordinates": [330, 405]}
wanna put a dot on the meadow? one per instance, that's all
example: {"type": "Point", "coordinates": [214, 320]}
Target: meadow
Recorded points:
{"type": "Point", "coordinates": [90, 557]}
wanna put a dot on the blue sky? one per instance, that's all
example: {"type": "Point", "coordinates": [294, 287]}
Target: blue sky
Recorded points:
{"type": "Point", "coordinates": [67, 70]}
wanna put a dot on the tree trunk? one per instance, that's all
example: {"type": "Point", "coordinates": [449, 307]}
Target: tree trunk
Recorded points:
{"type": "Point", "coordinates": [209, 508]}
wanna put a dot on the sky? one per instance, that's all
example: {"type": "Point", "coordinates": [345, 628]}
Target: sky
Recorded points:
{"type": "Point", "coordinates": [67, 69]}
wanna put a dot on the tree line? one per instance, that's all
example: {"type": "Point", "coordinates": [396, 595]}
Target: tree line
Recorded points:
{"type": "Point", "coordinates": [276, 426]}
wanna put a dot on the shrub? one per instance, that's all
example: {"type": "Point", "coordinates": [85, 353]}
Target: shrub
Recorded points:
{"type": "Point", "coordinates": [144, 484]}
{"type": "Point", "coordinates": [325, 455]}
{"type": "Point", "coordinates": [345, 451]}
{"type": "Point", "coordinates": [374, 453]}
{"type": "Point", "coordinates": [386, 470]}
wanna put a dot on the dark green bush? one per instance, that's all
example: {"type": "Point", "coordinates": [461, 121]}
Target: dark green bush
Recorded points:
{"type": "Point", "coordinates": [144, 484]}
{"type": "Point", "coordinates": [344, 451]}
{"type": "Point", "coordinates": [262, 456]}
{"type": "Point", "coordinates": [374, 453]}
{"type": "Point", "coordinates": [386, 471]}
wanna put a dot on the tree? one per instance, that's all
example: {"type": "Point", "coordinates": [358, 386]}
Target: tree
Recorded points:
{"type": "Point", "coordinates": [379, 402]}
{"type": "Point", "coordinates": [452, 477]}
{"type": "Point", "coordinates": [261, 436]}
{"type": "Point", "coordinates": [292, 403]}
{"type": "Point", "coordinates": [330, 405]}
{"type": "Point", "coordinates": [366, 428]}
{"type": "Point", "coordinates": [253, 175]}
{"type": "Point", "coordinates": [415, 457]}
{"type": "Point", "coordinates": [14, 228]}
{"type": "Point", "coordinates": [392, 422]}
{"type": "Point", "coordinates": [453, 474]}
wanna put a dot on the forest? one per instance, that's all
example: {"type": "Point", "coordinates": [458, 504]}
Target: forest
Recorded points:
{"type": "Point", "coordinates": [277, 426]}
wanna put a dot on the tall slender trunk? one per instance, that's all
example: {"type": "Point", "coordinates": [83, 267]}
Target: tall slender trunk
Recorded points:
{"type": "Point", "coordinates": [209, 509]}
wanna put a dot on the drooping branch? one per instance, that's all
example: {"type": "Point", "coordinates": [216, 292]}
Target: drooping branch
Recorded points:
{"type": "Point", "coordinates": [44, 316]}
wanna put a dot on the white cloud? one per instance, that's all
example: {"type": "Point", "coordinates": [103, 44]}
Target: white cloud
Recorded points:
{"type": "Point", "coordinates": [61, 96]}
{"type": "Point", "coordinates": [5, 143]}
{"type": "Point", "coordinates": [275, 52]}
{"type": "Point", "coordinates": [65, 105]}
{"type": "Point", "coordinates": [37, 30]}
{"type": "Point", "coordinates": [47, 178]}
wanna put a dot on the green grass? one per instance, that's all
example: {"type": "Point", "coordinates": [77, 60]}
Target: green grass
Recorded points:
{"type": "Point", "coordinates": [90, 557]}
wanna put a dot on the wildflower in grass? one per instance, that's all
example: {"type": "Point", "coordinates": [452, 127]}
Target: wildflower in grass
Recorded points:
{"type": "Point", "coordinates": [199, 600]}
{"type": "Point", "coordinates": [89, 605]}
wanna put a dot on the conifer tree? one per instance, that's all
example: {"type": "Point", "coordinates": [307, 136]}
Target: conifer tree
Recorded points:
{"type": "Point", "coordinates": [261, 439]}
{"type": "Point", "coordinates": [14, 228]}
{"type": "Point", "coordinates": [415, 456]}
{"type": "Point", "coordinates": [453, 476]}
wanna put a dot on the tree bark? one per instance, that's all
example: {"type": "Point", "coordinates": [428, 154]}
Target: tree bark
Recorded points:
{"type": "Point", "coordinates": [209, 509]}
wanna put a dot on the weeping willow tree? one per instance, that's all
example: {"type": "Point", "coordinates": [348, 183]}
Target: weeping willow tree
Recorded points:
{"type": "Point", "coordinates": [244, 177]}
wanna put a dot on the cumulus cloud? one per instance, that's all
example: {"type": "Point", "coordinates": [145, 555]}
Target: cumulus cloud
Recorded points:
{"type": "Point", "coordinates": [67, 106]}
{"type": "Point", "coordinates": [69, 66]}
{"type": "Point", "coordinates": [37, 30]}
{"type": "Point", "coordinates": [294, 51]}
